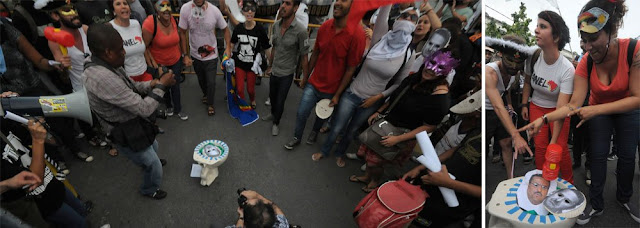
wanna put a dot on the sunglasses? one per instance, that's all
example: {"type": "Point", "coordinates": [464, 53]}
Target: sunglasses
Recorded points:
{"type": "Point", "coordinates": [409, 16]}
{"type": "Point", "coordinates": [249, 8]}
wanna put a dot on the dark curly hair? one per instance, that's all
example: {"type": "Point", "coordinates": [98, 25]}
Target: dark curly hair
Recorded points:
{"type": "Point", "coordinates": [260, 215]}
{"type": "Point", "coordinates": [616, 10]}
{"type": "Point", "coordinates": [559, 28]}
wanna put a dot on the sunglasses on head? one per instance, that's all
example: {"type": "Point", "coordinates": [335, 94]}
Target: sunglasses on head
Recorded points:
{"type": "Point", "coordinates": [410, 16]}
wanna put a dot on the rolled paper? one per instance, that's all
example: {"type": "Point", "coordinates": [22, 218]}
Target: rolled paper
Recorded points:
{"type": "Point", "coordinates": [430, 160]}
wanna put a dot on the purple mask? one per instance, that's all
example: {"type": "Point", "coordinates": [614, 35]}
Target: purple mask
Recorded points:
{"type": "Point", "coordinates": [441, 63]}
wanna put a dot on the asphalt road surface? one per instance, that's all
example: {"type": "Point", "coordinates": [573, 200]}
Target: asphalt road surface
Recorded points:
{"type": "Point", "coordinates": [614, 215]}
{"type": "Point", "coordinates": [311, 194]}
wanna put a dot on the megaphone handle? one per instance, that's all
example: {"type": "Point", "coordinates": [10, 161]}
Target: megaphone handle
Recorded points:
{"type": "Point", "coordinates": [17, 118]}
{"type": "Point", "coordinates": [63, 49]}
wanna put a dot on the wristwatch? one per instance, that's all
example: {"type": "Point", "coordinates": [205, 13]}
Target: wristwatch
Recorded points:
{"type": "Point", "coordinates": [544, 119]}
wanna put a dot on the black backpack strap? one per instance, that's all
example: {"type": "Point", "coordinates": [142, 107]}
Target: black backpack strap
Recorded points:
{"type": "Point", "coordinates": [630, 49]}
{"type": "Point", "coordinates": [155, 29]}
{"type": "Point", "coordinates": [534, 59]}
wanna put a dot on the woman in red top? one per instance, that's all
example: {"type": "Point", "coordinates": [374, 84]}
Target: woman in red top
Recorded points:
{"type": "Point", "coordinates": [164, 50]}
{"type": "Point", "coordinates": [614, 102]}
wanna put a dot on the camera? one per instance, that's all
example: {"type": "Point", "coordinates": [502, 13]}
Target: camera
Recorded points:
{"type": "Point", "coordinates": [161, 113]}
{"type": "Point", "coordinates": [242, 200]}
{"type": "Point", "coordinates": [451, 1]}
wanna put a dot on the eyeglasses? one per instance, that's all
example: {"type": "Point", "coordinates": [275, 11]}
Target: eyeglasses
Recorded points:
{"type": "Point", "coordinates": [249, 8]}
{"type": "Point", "coordinates": [536, 185]}
{"type": "Point", "coordinates": [409, 16]}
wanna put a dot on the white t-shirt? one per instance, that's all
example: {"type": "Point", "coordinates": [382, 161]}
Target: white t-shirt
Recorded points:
{"type": "Point", "coordinates": [548, 81]}
{"type": "Point", "coordinates": [500, 86]}
{"type": "Point", "coordinates": [77, 62]}
{"type": "Point", "coordinates": [451, 139]}
{"type": "Point", "coordinates": [134, 62]}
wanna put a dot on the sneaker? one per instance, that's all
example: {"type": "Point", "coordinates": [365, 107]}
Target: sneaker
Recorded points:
{"type": "Point", "coordinates": [352, 156]}
{"type": "Point", "coordinates": [160, 130]}
{"type": "Point", "coordinates": [363, 167]}
{"type": "Point", "coordinates": [96, 141]}
{"type": "Point", "coordinates": [268, 102]}
{"type": "Point", "coordinates": [84, 157]}
{"type": "Point", "coordinates": [495, 159]}
{"type": "Point", "coordinates": [632, 209]}
{"type": "Point", "coordinates": [169, 112]}
{"type": "Point", "coordinates": [88, 207]}
{"type": "Point", "coordinates": [62, 167]}
{"type": "Point", "coordinates": [159, 194]}
{"type": "Point", "coordinates": [80, 135]}
{"type": "Point", "coordinates": [267, 117]}
{"type": "Point", "coordinates": [612, 157]}
{"type": "Point", "coordinates": [183, 116]}
{"type": "Point", "coordinates": [294, 142]}
{"type": "Point", "coordinates": [275, 130]}
{"type": "Point", "coordinates": [588, 178]}
{"type": "Point", "coordinates": [527, 160]}
{"type": "Point", "coordinates": [587, 214]}
{"type": "Point", "coordinates": [163, 162]}
{"type": "Point", "coordinates": [312, 138]}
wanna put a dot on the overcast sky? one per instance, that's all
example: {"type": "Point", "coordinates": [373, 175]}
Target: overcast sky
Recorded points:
{"type": "Point", "coordinates": [569, 9]}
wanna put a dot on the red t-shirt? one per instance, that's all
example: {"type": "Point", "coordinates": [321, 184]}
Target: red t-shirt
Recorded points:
{"type": "Point", "coordinates": [165, 49]}
{"type": "Point", "coordinates": [337, 51]}
{"type": "Point", "coordinates": [619, 87]}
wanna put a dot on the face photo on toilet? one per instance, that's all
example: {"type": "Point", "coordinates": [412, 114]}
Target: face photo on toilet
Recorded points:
{"type": "Point", "coordinates": [533, 190]}
{"type": "Point", "coordinates": [564, 201]}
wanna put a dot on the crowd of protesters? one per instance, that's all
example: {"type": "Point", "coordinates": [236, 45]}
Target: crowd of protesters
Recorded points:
{"type": "Point", "coordinates": [410, 64]}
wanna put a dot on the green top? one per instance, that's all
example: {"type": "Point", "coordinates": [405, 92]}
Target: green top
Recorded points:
{"type": "Point", "coordinates": [288, 47]}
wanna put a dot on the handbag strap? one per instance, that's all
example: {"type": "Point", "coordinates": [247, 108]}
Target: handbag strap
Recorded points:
{"type": "Point", "coordinates": [393, 104]}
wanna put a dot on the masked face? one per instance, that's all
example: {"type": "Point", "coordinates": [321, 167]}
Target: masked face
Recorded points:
{"type": "Point", "coordinates": [436, 42]}
{"type": "Point", "coordinates": [563, 201]}
{"type": "Point", "coordinates": [163, 6]}
{"type": "Point", "coordinates": [537, 190]}
{"type": "Point", "coordinates": [404, 26]}
{"type": "Point", "coordinates": [441, 63]}
{"type": "Point", "coordinates": [512, 63]}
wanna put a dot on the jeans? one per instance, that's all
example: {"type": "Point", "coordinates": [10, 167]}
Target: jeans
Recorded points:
{"type": "Point", "coordinates": [310, 97]}
{"type": "Point", "coordinates": [147, 159]}
{"type": "Point", "coordinates": [206, 72]}
{"type": "Point", "coordinates": [580, 141]}
{"type": "Point", "coordinates": [70, 214]}
{"type": "Point", "coordinates": [627, 127]}
{"type": "Point", "coordinates": [541, 141]}
{"type": "Point", "coordinates": [172, 97]}
{"type": "Point", "coordinates": [348, 109]}
{"type": "Point", "coordinates": [278, 92]}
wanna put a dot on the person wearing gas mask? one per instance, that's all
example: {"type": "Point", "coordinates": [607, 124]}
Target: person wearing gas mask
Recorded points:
{"type": "Point", "coordinates": [500, 76]}
{"type": "Point", "coordinates": [375, 80]}
{"type": "Point", "coordinates": [419, 104]}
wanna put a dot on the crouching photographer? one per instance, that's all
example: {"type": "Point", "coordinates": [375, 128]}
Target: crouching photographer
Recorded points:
{"type": "Point", "coordinates": [256, 211]}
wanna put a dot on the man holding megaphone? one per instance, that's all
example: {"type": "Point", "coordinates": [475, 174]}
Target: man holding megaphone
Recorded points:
{"type": "Point", "coordinates": [123, 106]}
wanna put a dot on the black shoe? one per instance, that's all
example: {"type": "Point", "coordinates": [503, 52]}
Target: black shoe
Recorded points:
{"type": "Point", "coordinates": [527, 160]}
{"type": "Point", "coordinates": [160, 130]}
{"type": "Point", "coordinates": [159, 194]}
{"type": "Point", "coordinates": [163, 161]}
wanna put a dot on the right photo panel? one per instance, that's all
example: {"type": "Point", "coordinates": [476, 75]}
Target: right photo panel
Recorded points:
{"type": "Point", "coordinates": [562, 113]}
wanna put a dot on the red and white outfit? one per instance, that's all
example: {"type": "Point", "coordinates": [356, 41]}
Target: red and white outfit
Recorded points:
{"type": "Point", "coordinates": [134, 63]}
{"type": "Point", "coordinates": [547, 82]}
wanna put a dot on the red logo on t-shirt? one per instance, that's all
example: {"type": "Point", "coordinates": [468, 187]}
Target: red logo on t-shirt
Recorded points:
{"type": "Point", "coordinates": [552, 85]}
{"type": "Point", "coordinates": [139, 39]}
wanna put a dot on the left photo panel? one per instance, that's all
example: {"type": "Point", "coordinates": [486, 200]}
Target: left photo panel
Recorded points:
{"type": "Point", "coordinates": [171, 113]}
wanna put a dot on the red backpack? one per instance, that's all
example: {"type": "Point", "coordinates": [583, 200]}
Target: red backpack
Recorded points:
{"type": "Point", "coordinates": [394, 204]}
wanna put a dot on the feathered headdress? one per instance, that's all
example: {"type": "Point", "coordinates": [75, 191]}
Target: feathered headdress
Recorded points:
{"type": "Point", "coordinates": [519, 51]}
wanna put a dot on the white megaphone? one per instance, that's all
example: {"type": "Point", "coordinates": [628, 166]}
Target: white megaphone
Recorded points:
{"type": "Point", "coordinates": [74, 105]}
{"type": "Point", "coordinates": [234, 8]}
{"type": "Point", "coordinates": [430, 160]}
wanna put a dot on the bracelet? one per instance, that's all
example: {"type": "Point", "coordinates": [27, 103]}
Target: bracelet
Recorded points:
{"type": "Point", "coordinates": [544, 119]}
{"type": "Point", "coordinates": [240, 218]}
{"type": "Point", "coordinates": [156, 97]}
{"type": "Point", "coordinates": [525, 105]}
{"type": "Point", "coordinates": [160, 86]}
{"type": "Point", "coordinates": [570, 108]}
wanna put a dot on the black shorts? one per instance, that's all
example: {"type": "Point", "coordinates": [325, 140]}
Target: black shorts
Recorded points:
{"type": "Point", "coordinates": [494, 127]}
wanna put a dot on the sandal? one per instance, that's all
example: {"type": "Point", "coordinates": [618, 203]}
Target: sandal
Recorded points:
{"type": "Point", "coordinates": [324, 129]}
{"type": "Point", "coordinates": [366, 189]}
{"type": "Point", "coordinates": [211, 111]}
{"type": "Point", "coordinates": [354, 178]}
{"type": "Point", "coordinates": [204, 100]}
{"type": "Point", "coordinates": [317, 156]}
{"type": "Point", "coordinates": [253, 106]}
{"type": "Point", "coordinates": [340, 162]}
{"type": "Point", "coordinates": [113, 152]}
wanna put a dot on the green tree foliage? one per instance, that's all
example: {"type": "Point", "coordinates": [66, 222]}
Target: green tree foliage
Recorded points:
{"type": "Point", "coordinates": [520, 27]}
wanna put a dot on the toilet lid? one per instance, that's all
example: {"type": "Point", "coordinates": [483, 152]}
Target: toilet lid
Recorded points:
{"type": "Point", "coordinates": [211, 151]}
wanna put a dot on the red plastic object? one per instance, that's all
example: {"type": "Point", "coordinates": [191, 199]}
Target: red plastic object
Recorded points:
{"type": "Point", "coordinates": [58, 36]}
{"type": "Point", "coordinates": [551, 166]}
{"type": "Point", "coordinates": [392, 205]}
